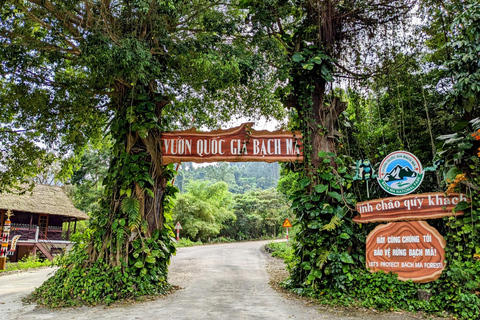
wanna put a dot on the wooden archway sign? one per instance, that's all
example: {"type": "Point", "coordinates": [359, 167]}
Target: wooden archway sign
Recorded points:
{"type": "Point", "coordinates": [234, 145]}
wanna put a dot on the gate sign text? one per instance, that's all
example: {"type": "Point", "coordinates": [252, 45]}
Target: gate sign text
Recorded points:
{"type": "Point", "coordinates": [234, 145]}
{"type": "Point", "coordinates": [410, 207]}
{"type": "Point", "coordinates": [414, 250]}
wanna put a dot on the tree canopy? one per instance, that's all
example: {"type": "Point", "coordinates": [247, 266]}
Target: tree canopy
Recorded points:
{"type": "Point", "coordinates": [359, 78]}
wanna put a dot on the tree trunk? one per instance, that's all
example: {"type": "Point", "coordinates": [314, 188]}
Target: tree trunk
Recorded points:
{"type": "Point", "coordinates": [322, 126]}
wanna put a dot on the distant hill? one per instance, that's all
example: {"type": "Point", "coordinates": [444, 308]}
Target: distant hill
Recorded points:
{"type": "Point", "coordinates": [398, 173]}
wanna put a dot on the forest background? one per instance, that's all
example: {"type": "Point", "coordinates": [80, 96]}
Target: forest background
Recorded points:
{"type": "Point", "coordinates": [218, 202]}
{"type": "Point", "coordinates": [358, 78]}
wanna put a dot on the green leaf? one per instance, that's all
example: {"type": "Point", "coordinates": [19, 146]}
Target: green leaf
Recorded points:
{"type": "Point", "coordinates": [157, 254]}
{"type": "Point", "coordinates": [344, 236]}
{"type": "Point", "coordinates": [308, 65]}
{"type": "Point", "coordinates": [316, 60]}
{"type": "Point", "coordinates": [452, 173]}
{"type": "Point", "coordinates": [150, 259]}
{"type": "Point", "coordinates": [465, 145]}
{"type": "Point", "coordinates": [335, 195]}
{"type": "Point", "coordinates": [305, 265]}
{"type": "Point", "coordinates": [448, 136]}
{"type": "Point", "coordinates": [462, 205]}
{"type": "Point", "coordinates": [322, 154]}
{"type": "Point", "coordinates": [150, 192]}
{"type": "Point", "coordinates": [314, 224]}
{"type": "Point", "coordinates": [305, 182]}
{"type": "Point", "coordinates": [346, 258]}
{"type": "Point", "coordinates": [459, 126]}
{"type": "Point", "coordinates": [138, 264]}
{"type": "Point", "coordinates": [297, 57]}
{"type": "Point", "coordinates": [320, 188]}
{"type": "Point", "coordinates": [327, 176]}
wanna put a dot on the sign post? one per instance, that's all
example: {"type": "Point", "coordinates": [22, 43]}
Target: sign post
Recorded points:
{"type": "Point", "coordinates": [4, 243]}
{"type": "Point", "coordinates": [287, 224]}
{"type": "Point", "coordinates": [178, 226]}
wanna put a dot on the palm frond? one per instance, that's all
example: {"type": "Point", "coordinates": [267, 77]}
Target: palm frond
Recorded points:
{"type": "Point", "coordinates": [131, 207]}
{"type": "Point", "coordinates": [333, 224]}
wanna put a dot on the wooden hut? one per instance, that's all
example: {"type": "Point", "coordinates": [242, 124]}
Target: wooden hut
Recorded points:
{"type": "Point", "coordinates": [44, 218]}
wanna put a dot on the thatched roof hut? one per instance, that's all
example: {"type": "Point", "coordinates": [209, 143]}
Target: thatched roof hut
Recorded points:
{"type": "Point", "coordinates": [43, 199]}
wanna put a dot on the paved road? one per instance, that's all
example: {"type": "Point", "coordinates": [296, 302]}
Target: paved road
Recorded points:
{"type": "Point", "coordinates": [225, 281]}
{"type": "Point", "coordinates": [14, 287]}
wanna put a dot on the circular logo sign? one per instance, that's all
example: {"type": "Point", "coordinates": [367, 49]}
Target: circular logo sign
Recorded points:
{"type": "Point", "coordinates": [400, 173]}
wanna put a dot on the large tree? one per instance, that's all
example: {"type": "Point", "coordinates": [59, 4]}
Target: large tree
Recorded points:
{"type": "Point", "coordinates": [72, 70]}
{"type": "Point", "coordinates": [317, 45]}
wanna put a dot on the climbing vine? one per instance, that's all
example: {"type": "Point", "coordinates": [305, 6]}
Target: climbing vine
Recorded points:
{"type": "Point", "coordinates": [127, 248]}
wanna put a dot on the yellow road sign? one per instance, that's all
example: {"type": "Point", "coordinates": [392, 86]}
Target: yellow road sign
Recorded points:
{"type": "Point", "coordinates": [287, 224]}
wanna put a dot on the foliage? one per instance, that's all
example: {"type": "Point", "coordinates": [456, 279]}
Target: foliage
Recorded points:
{"type": "Point", "coordinates": [203, 210]}
{"type": "Point", "coordinates": [465, 60]}
{"type": "Point", "coordinates": [144, 274]}
{"type": "Point", "coordinates": [185, 242]}
{"type": "Point", "coordinates": [257, 213]}
{"type": "Point", "coordinates": [282, 250]}
{"type": "Point", "coordinates": [27, 263]}
{"type": "Point", "coordinates": [325, 227]}
{"type": "Point", "coordinates": [240, 176]}
{"type": "Point", "coordinates": [451, 29]}
{"type": "Point", "coordinates": [75, 70]}
{"type": "Point", "coordinates": [86, 189]}
{"type": "Point", "coordinates": [455, 291]}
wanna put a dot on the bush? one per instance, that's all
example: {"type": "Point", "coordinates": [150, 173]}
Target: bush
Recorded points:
{"type": "Point", "coordinates": [187, 243]}
{"type": "Point", "coordinates": [27, 263]}
{"type": "Point", "coordinates": [282, 250]}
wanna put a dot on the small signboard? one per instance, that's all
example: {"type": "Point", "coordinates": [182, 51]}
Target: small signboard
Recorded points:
{"type": "Point", "coordinates": [400, 173]}
{"type": "Point", "coordinates": [178, 226]}
{"type": "Point", "coordinates": [287, 224]}
{"type": "Point", "coordinates": [14, 243]}
{"type": "Point", "coordinates": [414, 250]}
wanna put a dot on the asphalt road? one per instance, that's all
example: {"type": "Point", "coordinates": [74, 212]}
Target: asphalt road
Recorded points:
{"type": "Point", "coordinates": [224, 281]}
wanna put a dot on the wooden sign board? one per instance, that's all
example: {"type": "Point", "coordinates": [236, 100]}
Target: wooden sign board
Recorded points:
{"type": "Point", "coordinates": [410, 207]}
{"type": "Point", "coordinates": [414, 250]}
{"type": "Point", "coordinates": [234, 145]}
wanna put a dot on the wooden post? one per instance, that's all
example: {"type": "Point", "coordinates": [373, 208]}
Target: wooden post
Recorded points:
{"type": "Point", "coordinates": [4, 244]}
{"type": "Point", "coordinates": [75, 226]}
{"type": "Point", "coordinates": [68, 229]}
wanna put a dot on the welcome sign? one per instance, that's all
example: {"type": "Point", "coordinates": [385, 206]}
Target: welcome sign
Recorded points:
{"type": "Point", "coordinates": [410, 248]}
{"type": "Point", "coordinates": [410, 207]}
{"type": "Point", "coordinates": [234, 145]}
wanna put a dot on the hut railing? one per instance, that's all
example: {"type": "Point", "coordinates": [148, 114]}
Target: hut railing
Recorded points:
{"type": "Point", "coordinates": [28, 232]}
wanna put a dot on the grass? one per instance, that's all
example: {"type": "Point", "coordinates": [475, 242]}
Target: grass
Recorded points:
{"type": "Point", "coordinates": [27, 263]}
{"type": "Point", "coordinates": [187, 243]}
{"type": "Point", "coordinates": [281, 250]}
